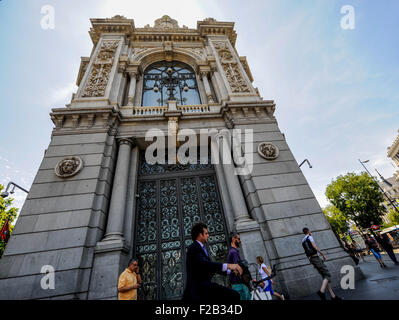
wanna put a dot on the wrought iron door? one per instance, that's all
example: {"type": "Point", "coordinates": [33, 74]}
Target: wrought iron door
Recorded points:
{"type": "Point", "coordinates": [172, 198]}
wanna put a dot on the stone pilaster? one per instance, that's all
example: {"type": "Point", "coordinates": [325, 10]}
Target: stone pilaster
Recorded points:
{"type": "Point", "coordinates": [132, 88]}
{"type": "Point", "coordinates": [208, 92]}
{"type": "Point", "coordinates": [118, 199]}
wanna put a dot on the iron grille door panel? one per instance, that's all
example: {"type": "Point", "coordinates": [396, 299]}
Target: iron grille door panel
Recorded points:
{"type": "Point", "coordinates": [172, 198]}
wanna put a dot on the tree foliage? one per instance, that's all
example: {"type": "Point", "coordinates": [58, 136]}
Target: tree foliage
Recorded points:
{"type": "Point", "coordinates": [393, 216]}
{"type": "Point", "coordinates": [358, 197]}
{"type": "Point", "coordinates": [6, 211]}
{"type": "Point", "coordinates": [337, 219]}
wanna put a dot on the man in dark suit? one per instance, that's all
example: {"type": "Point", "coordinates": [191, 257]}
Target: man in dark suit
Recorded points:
{"type": "Point", "coordinates": [200, 270]}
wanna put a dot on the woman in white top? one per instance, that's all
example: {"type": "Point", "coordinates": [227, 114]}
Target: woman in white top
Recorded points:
{"type": "Point", "coordinates": [266, 285]}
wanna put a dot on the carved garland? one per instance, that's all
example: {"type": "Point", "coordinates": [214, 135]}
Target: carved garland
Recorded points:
{"type": "Point", "coordinates": [98, 79]}
{"type": "Point", "coordinates": [231, 68]}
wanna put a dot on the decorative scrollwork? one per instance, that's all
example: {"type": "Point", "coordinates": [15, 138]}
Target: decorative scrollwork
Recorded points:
{"type": "Point", "coordinates": [98, 79]}
{"type": "Point", "coordinates": [231, 68]}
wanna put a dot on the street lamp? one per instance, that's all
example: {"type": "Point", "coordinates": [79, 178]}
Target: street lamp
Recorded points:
{"type": "Point", "coordinates": [5, 194]}
{"type": "Point", "coordinates": [306, 160]}
{"type": "Point", "coordinates": [389, 199]}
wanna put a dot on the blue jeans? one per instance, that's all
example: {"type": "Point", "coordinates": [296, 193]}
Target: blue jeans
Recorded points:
{"type": "Point", "coordinates": [243, 290]}
{"type": "Point", "coordinates": [376, 254]}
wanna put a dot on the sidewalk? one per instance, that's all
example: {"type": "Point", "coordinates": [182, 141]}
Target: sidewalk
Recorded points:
{"type": "Point", "coordinates": [379, 283]}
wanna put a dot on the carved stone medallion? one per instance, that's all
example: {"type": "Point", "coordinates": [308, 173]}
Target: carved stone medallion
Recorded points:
{"type": "Point", "coordinates": [268, 150]}
{"type": "Point", "coordinates": [68, 167]}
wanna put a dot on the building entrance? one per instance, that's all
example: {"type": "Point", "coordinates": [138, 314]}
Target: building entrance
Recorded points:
{"type": "Point", "coordinates": [172, 198]}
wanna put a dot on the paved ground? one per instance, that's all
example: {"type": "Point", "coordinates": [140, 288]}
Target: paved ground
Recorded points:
{"type": "Point", "coordinates": [379, 283]}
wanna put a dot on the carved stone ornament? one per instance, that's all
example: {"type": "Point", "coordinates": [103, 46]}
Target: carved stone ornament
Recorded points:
{"type": "Point", "coordinates": [68, 167]}
{"type": "Point", "coordinates": [98, 79]}
{"type": "Point", "coordinates": [268, 150]}
{"type": "Point", "coordinates": [166, 22]}
{"type": "Point", "coordinates": [230, 66]}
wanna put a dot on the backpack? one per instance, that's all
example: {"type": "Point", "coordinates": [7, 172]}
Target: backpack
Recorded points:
{"type": "Point", "coordinates": [308, 247]}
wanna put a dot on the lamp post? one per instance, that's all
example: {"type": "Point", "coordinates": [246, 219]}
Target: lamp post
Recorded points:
{"type": "Point", "coordinates": [389, 199]}
{"type": "Point", "coordinates": [306, 160]}
{"type": "Point", "coordinates": [5, 194]}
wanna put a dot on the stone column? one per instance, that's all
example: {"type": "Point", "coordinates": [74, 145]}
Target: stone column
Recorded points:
{"type": "Point", "coordinates": [131, 197]}
{"type": "Point", "coordinates": [132, 88]}
{"type": "Point", "coordinates": [116, 212]}
{"type": "Point", "coordinates": [233, 183]}
{"type": "Point", "coordinates": [208, 92]}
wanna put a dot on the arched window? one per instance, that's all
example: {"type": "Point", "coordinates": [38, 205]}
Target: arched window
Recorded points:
{"type": "Point", "coordinates": [170, 81]}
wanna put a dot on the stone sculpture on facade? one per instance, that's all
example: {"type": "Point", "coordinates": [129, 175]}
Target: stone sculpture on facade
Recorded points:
{"type": "Point", "coordinates": [68, 167]}
{"type": "Point", "coordinates": [230, 66]}
{"type": "Point", "coordinates": [101, 69]}
{"type": "Point", "coordinates": [268, 150]}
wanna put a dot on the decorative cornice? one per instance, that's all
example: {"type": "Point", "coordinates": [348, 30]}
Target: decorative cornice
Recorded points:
{"type": "Point", "coordinates": [81, 119]}
{"type": "Point", "coordinates": [165, 29]}
{"type": "Point", "coordinates": [117, 24]}
{"type": "Point", "coordinates": [257, 108]}
{"type": "Point", "coordinates": [211, 27]}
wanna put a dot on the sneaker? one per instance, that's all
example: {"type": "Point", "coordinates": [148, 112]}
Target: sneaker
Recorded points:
{"type": "Point", "coordinates": [384, 265]}
{"type": "Point", "coordinates": [321, 295]}
{"type": "Point", "coordinates": [336, 298]}
{"type": "Point", "coordinates": [282, 297]}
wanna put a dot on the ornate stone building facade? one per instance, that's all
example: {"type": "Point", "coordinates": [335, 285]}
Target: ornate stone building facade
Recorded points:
{"type": "Point", "coordinates": [393, 153]}
{"type": "Point", "coordinates": [96, 202]}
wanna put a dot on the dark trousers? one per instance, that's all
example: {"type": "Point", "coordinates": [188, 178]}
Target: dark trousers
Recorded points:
{"type": "Point", "coordinates": [391, 254]}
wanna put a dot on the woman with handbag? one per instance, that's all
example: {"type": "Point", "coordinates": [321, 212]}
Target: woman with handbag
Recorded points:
{"type": "Point", "coordinates": [267, 284]}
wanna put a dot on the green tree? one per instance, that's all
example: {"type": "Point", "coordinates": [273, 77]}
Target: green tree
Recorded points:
{"type": "Point", "coordinates": [358, 197]}
{"type": "Point", "coordinates": [336, 218]}
{"type": "Point", "coordinates": [393, 217]}
{"type": "Point", "coordinates": [6, 211]}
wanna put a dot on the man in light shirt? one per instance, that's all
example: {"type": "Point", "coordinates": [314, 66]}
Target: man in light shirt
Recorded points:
{"type": "Point", "coordinates": [311, 251]}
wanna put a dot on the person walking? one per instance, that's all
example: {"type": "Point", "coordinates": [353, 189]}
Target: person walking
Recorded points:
{"type": "Point", "coordinates": [358, 251]}
{"type": "Point", "coordinates": [386, 245]}
{"type": "Point", "coordinates": [311, 251]}
{"type": "Point", "coordinates": [234, 257]}
{"type": "Point", "coordinates": [267, 285]}
{"type": "Point", "coordinates": [200, 270]}
{"type": "Point", "coordinates": [129, 281]}
{"type": "Point", "coordinates": [372, 246]}
{"type": "Point", "coordinates": [349, 249]}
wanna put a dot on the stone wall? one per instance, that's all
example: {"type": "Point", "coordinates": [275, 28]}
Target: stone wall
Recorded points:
{"type": "Point", "coordinates": [61, 221]}
{"type": "Point", "coordinates": [280, 199]}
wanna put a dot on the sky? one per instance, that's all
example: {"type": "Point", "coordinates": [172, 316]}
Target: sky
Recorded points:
{"type": "Point", "coordinates": [335, 89]}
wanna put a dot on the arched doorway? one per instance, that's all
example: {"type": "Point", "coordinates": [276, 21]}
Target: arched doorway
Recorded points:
{"type": "Point", "coordinates": [171, 199]}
